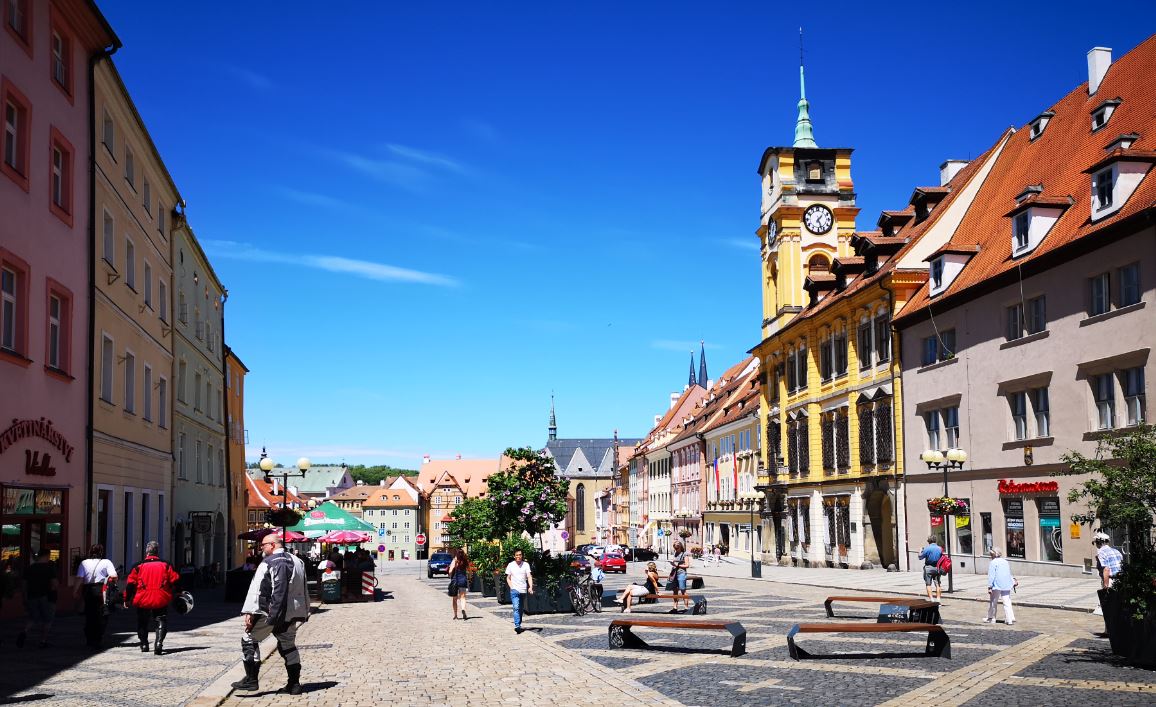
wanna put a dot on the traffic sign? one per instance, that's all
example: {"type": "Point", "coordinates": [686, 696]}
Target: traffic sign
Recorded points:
{"type": "Point", "coordinates": [421, 538]}
{"type": "Point", "coordinates": [565, 535]}
{"type": "Point", "coordinates": [381, 532]}
{"type": "Point", "coordinates": [381, 548]}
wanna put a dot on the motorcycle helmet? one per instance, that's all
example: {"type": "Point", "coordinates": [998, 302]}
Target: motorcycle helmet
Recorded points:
{"type": "Point", "coordinates": [183, 603]}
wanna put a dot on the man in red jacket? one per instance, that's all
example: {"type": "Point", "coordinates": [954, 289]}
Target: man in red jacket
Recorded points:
{"type": "Point", "coordinates": [150, 588]}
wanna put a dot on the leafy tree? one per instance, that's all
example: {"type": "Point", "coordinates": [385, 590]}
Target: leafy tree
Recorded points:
{"type": "Point", "coordinates": [373, 475]}
{"type": "Point", "coordinates": [1121, 495]}
{"type": "Point", "coordinates": [527, 496]}
{"type": "Point", "coordinates": [472, 522]}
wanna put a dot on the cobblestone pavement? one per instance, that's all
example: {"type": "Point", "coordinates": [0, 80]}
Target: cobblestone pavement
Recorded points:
{"type": "Point", "coordinates": [407, 650]}
{"type": "Point", "coordinates": [200, 647]}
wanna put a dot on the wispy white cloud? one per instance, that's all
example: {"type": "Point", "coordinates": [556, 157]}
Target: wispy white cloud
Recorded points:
{"type": "Point", "coordinates": [674, 345]}
{"type": "Point", "coordinates": [310, 198]}
{"type": "Point", "coordinates": [741, 243]}
{"type": "Point", "coordinates": [331, 263]}
{"type": "Point", "coordinates": [250, 77]}
{"type": "Point", "coordinates": [423, 157]}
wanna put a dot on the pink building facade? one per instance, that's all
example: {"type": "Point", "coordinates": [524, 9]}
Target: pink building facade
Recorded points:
{"type": "Point", "coordinates": [45, 90]}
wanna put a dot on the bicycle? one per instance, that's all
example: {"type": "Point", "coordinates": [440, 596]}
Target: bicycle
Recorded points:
{"type": "Point", "coordinates": [583, 597]}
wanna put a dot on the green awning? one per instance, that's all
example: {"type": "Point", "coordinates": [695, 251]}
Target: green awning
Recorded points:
{"type": "Point", "coordinates": [326, 517]}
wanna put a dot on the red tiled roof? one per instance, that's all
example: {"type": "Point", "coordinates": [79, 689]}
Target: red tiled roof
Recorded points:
{"type": "Point", "coordinates": [1059, 159]}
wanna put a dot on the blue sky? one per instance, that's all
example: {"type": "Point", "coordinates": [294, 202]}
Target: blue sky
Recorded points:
{"type": "Point", "coordinates": [430, 216]}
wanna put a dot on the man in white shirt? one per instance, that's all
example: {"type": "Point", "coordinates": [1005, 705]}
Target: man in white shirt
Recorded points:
{"type": "Point", "coordinates": [520, 582]}
{"type": "Point", "coordinates": [97, 576]}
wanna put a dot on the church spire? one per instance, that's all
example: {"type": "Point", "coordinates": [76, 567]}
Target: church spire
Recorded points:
{"type": "Point", "coordinates": [553, 429]}
{"type": "Point", "coordinates": [804, 135]}
{"type": "Point", "coordinates": [691, 382]}
{"type": "Point", "coordinates": [701, 364]}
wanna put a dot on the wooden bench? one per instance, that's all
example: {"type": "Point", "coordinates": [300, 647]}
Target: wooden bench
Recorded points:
{"type": "Point", "coordinates": [621, 635]}
{"type": "Point", "coordinates": [697, 601]}
{"type": "Point", "coordinates": [918, 610]}
{"type": "Point", "coordinates": [938, 644]}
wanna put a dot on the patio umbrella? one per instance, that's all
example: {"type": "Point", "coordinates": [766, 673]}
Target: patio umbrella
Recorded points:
{"type": "Point", "coordinates": [258, 533]}
{"type": "Point", "coordinates": [344, 537]}
{"type": "Point", "coordinates": [326, 517]}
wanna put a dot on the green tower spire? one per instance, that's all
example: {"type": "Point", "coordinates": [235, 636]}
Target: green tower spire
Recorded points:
{"type": "Point", "coordinates": [804, 134]}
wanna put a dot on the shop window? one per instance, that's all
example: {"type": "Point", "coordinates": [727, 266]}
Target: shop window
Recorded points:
{"type": "Point", "coordinates": [1013, 511]}
{"type": "Point", "coordinates": [963, 532]}
{"type": "Point", "coordinates": [1051, 534]}
{"type": "Point", "coordinates": [988, 535]}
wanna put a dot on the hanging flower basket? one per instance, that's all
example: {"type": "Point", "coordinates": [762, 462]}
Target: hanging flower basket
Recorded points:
{"type": "Point", "coordinates": [948, 506]}
{"type": "Point", "coordinates": [684, 534]}
{"type": "Point", "coordinates": [282, 517]}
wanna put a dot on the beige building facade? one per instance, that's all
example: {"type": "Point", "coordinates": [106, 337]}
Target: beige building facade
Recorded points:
{"type": "Point", "coordinates": [132, 461]}
{"type": "Point", "coordinates": [200, 487]}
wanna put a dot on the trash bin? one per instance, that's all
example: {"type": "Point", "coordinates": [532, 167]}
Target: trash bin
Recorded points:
{"type": "Point", "coordinates": [331, 591]}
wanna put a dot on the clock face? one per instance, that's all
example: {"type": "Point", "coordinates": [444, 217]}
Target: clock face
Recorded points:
{"type": "Point", "coordinates": [818, 219]}
{"type": "Point", "coordinates": [772, 231]}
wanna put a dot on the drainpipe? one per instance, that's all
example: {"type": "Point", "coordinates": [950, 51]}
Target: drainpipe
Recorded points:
{"type": "Point", "coordinates": [91, 396]}
{"type": "Point", "coordinates": [230, 543]}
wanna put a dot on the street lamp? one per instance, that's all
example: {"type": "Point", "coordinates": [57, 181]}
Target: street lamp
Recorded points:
{"type": "Point", "coordinates": [752, 499]}
{"type": "Point", "coordinates": [267, 465]}
{"type": "Point", "coordinates": [952, 458]}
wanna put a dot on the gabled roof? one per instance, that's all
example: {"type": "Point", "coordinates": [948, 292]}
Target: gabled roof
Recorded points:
{"type": "Point", "coordinates": [717, 404]}
{"type": "Point", "coordinates": [1058, 159]}
{"type": "Point", "coordinates": [384, 498]}
{"type": "Point", "coordinates": [467, 474]}
{"type": "Point", "coordinates": [354, 493]}
{"type": "Point", "coordinates": [317, 481]}
{"type": "Point", "coordinates": [259, 494]}
{"type": "Point", "coordinates": [586, 457]}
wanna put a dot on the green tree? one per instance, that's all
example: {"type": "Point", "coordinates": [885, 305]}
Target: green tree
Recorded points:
{"type": "Point", "coordinates": [472, 522]}
{"type": "Point", "coordinates": [1121, 494]}
{"type": "Point", "coordinates": [527, 496]}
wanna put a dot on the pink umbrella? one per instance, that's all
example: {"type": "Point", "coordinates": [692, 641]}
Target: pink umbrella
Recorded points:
{"type": "Point", "coordinates": [344, 537]}
{"type": "Point", "coordinates": [258, 533]}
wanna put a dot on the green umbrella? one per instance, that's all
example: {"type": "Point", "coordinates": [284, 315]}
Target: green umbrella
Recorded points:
{"type": "Point", "coordinates": [327, 517]}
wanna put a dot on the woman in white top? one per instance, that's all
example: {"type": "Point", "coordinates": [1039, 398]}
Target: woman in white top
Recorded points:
{"type": "Point", "coordinates": [97, 576]}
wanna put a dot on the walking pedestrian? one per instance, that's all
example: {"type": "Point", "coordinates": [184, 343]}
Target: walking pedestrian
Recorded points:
{"type": "Point", "coordinates": [636, 590]}
{"type": "Point", "coordinates": [717, 555]}
{"type": "Point", "coordinates": [520, 582]}
{"type": "Point", "coordinates": [679, 564]}
{"type": "Point", "coordinates": [97, 579]}
{"type": "Point", "coordinates": [275, 604]}
{"type": "Point", "coordinates": [40, 594]}
{"type": "Point", "coordinates": [150, 588]}
{"type": "Point", "coordinates": [1109, 560]}
{"type": "Point", "coordinates": [597, 577]}
{"type": "Point", "coordinates": [459, 576]}
{"type": "Point", "coordinates": [1000, 584]}
{"type": "Point", "coordinates": [930, 556]}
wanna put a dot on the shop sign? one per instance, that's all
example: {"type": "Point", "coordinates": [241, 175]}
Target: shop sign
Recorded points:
{"type": "Point", "coordinates": [1008, 487]}
{"type": "Point", "coordinates": [42, 428]}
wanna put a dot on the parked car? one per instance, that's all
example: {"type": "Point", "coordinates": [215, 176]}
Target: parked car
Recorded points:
{"type": "Point", "coordinates": [439, 563]}
{"type": "Point", "coordinates": [641, 554]}
{"type": "Point", "coordinates": [583, 549]}
{"type": "Point", "coordinates": [580, 563]}
{"type": "Point", "coordinates": [614, 562]}
{"type": "Point", "coordinates": [596, 551]}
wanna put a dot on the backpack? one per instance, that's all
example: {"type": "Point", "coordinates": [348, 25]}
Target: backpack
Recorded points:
{"type": "Point", "coordinates": [944, 564]}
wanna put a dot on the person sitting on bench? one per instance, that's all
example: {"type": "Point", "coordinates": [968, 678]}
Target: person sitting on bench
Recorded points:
{"type": "Point", "coordinates": [639, 590]}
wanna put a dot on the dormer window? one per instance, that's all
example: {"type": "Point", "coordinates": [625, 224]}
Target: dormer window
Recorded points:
{"type": "Point", "coordinates": [937, 274]}
{"type": "Point", "coordinates": [1123, 142]}
{"type": "Point", "coordinates": [815, 171]}
{"type": "Point", "coordinates": [1020, 231]}
{"type": "Point", "coordinates": [1103, 183]}
{"type": "Point", "coordinates": [1041, 122]}
{"type": "Point", "coordinates": [1103, 113]}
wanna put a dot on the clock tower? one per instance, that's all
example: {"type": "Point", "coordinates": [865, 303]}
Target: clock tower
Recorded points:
{"type": "Point", "coordinates": [807, 216]}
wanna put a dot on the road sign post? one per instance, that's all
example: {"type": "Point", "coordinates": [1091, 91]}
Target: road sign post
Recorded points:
{"type": "Point", "coordinates": [420, 541]}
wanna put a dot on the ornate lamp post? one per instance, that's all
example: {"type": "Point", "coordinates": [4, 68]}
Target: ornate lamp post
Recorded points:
{"type": "Point", "coordinates": [752, 500]}
{"type": "Point", "coordinates": [953, 458]}
{"type": "Point", "coordinates": [267, 465]}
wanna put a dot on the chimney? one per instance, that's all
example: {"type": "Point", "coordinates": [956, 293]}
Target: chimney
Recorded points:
{"type": "Point", "coordinates": [458, 457]}
{"type": "Point", "coordinates": [949, 169]}
{"type": "Point", "coordinates": [381, 483]}
{"type": "Point", "coordinates": [1099, 59]}
{"type": "Point", "coordinates": [425, 459]}
{"type": "Point", "coordinates": [273, 485]}
{"type": "Point", "coordinates": [674, 398]}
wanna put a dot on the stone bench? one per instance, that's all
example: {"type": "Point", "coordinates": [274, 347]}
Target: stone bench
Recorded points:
{"type": "Point", "coordinates": [938, 644]}
{"type": "Point", "coordinates": [918, 610]}
{"type": "Point", "coordinates": [621, 635]}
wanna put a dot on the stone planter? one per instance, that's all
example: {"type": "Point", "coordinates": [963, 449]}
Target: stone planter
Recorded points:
{"type": "Point", "coordinates": [503, 591]}
{"type": "Point", "coordinates": [1132, 639]}
{"type": "Point", "coordinates": [490, 586]}
{"type": "Point", "coordinates": [475, 582]}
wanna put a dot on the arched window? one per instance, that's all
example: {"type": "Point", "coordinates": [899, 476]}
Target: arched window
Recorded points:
{"type": "Point", "coordinates": [818, 263]}
{"type": "Point", "coordinates": [580, 503]}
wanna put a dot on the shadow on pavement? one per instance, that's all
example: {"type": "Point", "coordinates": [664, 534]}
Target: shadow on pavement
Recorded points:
{"type": "Point", "coordinates": [23, 670]}
{"type": "Point", "coordinates": [26, 698]}
{"type": "Point", "coordinates": [184, 649]}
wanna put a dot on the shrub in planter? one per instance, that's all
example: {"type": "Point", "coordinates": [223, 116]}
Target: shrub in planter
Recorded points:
{"type": "Point", "coordinates": [490, 585]}
{"type": "Point", "coordinates": [1121, 495]}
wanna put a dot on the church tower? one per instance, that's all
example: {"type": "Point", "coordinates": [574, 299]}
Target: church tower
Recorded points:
{"type": "Point", "coordinates": [552, 430]}
{"type": "Point", "coordinates": [808, 215]}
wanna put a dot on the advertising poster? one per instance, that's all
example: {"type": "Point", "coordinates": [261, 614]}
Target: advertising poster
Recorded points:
{"type": "Point", "coordinates": [1014, 515]}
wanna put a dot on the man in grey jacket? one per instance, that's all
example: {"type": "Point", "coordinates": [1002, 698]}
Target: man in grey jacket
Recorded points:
{"type": "Point", "coordinates": [275, 604]}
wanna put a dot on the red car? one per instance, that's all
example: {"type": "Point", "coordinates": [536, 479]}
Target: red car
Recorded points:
{"type": "Point", "coordinates": [614, 562]}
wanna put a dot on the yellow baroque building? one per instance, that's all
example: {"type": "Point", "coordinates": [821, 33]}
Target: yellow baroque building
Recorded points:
{"type": "Point", "coordinates": [830, 472]}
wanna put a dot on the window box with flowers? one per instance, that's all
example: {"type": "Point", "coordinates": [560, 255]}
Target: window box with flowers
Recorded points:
{"type": "Point", "coordinates": [947, 505]}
